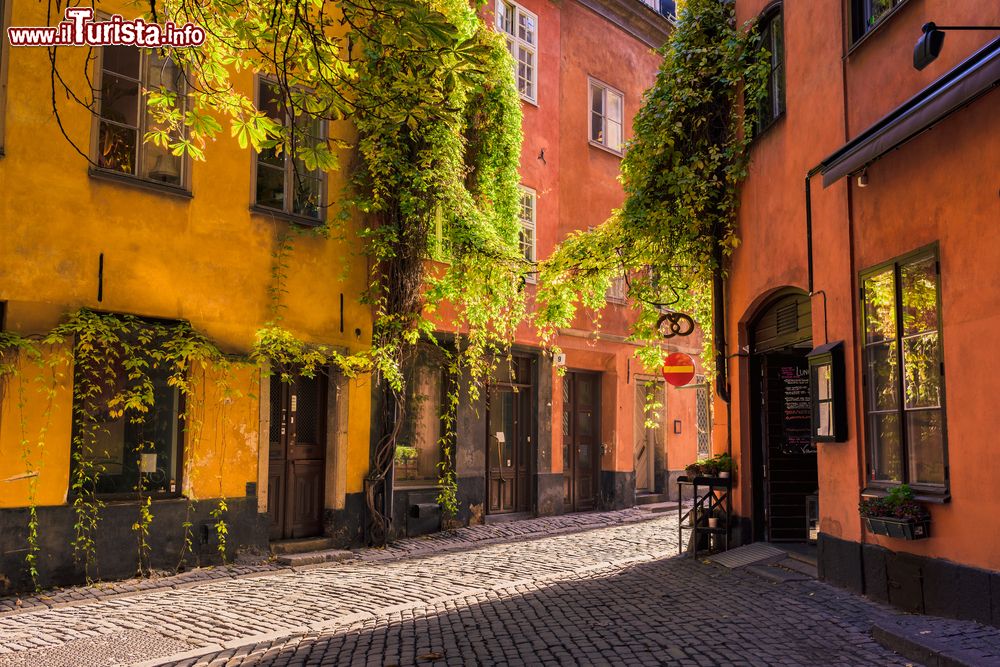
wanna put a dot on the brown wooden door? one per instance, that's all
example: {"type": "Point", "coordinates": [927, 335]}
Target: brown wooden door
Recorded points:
{"type": "Point", "coordinates": [509, 449]}
{"type": "Point", "coordinates": [297, 460]}
{"type": "Point", "coordinates": [581, 440]}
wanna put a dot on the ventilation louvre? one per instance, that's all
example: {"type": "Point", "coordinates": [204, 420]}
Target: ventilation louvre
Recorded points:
{"type": "Point", "coordinates": [787, 318]}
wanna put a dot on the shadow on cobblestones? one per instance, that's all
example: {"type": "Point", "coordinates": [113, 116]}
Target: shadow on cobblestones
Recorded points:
{"type": "Point", "coordinates": [670, 611]}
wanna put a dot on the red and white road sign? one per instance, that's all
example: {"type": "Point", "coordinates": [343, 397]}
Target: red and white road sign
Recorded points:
{"type": "Point", "coordinates": [678, 369]}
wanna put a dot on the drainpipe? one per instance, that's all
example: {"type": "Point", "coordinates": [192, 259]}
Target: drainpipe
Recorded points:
{"type": "Point", "coordinates": [719, 343]}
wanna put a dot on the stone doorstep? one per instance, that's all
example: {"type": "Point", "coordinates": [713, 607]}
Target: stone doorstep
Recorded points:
{"type": "Point", "coordinates": [932, 641]}
{"type": "Point", "coordinates": [657, 508]}
{"type": "Point", "coordinates": [649, 498]}
{"type": "Point", "coordinates": [315, 557]}
{"type": "Point", "coordinates": [301, 545]}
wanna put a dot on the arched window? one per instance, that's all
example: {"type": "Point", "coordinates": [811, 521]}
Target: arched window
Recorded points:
{"type": "Point", "coordinates": [772, 36]}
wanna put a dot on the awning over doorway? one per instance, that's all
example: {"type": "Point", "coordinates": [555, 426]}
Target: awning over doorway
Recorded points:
{"type": "Point", "coordinates": [975, 76]}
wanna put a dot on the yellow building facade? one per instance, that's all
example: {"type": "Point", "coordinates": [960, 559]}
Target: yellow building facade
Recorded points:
{"type": "Point", "coordinates": [125, 230]}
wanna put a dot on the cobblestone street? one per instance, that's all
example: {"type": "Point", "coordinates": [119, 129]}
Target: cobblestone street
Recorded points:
{"type": "Point", "coordinates": [613, 594]}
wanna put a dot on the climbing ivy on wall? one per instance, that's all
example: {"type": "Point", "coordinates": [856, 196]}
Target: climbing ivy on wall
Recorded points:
{"type": "Point", "coordinates": [680, 173]}
{"type": "Point", "coordinates": [429, 90]}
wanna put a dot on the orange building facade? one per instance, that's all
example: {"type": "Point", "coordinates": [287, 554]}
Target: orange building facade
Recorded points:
{"type": "Point", "coordinates": [560, 434]}
{"type": "Point", "coordinates": [875, 186]}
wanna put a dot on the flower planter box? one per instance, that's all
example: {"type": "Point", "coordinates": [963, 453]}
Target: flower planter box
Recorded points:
{"type": "Point", "coordinates": [904, 529]}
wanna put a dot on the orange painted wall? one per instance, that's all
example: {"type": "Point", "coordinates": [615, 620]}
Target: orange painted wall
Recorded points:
{"type": "Point", "coordinates": [577, 187]}
{"type": "Point", "coordinates": [941, 187]}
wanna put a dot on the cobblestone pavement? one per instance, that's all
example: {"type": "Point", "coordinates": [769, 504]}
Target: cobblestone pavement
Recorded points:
{"type": "Point", "coordinates": [449, 540]}
{"type": "Point", "coordinates": [610, 595]}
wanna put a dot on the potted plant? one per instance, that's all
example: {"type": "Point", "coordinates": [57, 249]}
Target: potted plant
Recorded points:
{"type": "Point", "coordinates": [709, 467]}
{"type": "Point", "coordinates": [896, 515]}
{"type": "Point", "coordinates": [725, 464]}
{"type": "Point", "coordinates": [693, 470]}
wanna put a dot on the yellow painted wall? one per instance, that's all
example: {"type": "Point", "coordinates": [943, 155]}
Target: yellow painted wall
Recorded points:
{"type": "Point", "coordinates": [206, 259]}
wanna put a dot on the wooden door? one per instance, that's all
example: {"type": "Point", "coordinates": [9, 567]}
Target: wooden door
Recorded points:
{"type": "Point", "coordinates": [648, 439]}
{"type": "Point", "coordinates": [790, 467]}
{"type": "Point", "coordinates": [297, 457]}
{"type": "Point", "coordinates": [509, 449]}
{"type": "Point", "coordinates": [581, 440]}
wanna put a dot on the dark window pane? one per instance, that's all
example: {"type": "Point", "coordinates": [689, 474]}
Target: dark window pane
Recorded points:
{"type": "Point", "coordinates": [122, 60]}
{"type": "Point", "coordinates": [925, 439]}
{"type": "Point", "coordinates": [270, 187]}
{"type": "Point", "coordinates": [922, 379]}
{"type": "Point", "coordinates": [883, 376]}
{"type": "Point", "coordinates": [887, 451]}
{"type": "Point", "coordinates": [120, 100]}
{"type": "Point", "coordinates": [308, 411]}
{"type": "Point", "coordinates": [137, 447]}
{"type": "Point", "coordinates": [880, 307]}
{"type": "Point", "coordinates": [308, 192]}
{"type": "Point", "coordinates": [919, 287]}
{"type": "Point", "coordinates": [116, 148]}
{"type": "Point", "coordinates": [269, 97]}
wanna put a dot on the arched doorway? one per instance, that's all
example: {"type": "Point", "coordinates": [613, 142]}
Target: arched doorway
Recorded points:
{"type": "Point", "coordinates": [783, 456]}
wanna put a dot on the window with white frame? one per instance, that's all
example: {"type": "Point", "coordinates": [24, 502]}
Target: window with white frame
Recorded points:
{"type": "Point", "coordinates": [127, 76]}
{"type": "Point", "coordinates": [606, 114]}
{"type": "Point", "coordinates": [617, 290]}
{"type": "Point", "coordinates": [284, 183]}
{"type": "Point", "coordinates": [521, 29]}
{"type": "Point", "coordinates": [527, 216]}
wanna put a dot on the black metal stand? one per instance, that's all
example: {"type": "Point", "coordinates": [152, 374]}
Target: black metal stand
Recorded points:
{"type": "Point", "coordinates": [715, 502]}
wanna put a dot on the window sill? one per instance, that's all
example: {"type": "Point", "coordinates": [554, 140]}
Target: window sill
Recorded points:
{"type": "Point", "coordinates": [416, 484]}
{"type": "Point", "coordinates": [617, 154]}
{"type": "Point", "coordinates": [303, 220]}
{"type": "Point", "coordinates": [863, 39]}
{"type": "Point", "coordinates": [142, 184]}
{"type": "Point", "coordinates": [528, 100]}
{"type": "Point", "coordinates": [924, 496]}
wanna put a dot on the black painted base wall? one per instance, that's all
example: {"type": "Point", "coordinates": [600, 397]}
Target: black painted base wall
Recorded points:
{"type": "Point", "coordinates": [913, 583]}
{"type": "Point", "coordinates": [346, 526]}
{"type": "Point", "coordinates": [116, 543]}
{"type": "Point", "coordinates": [617, 490]}
{"type": "Point", "coordinates": [550, 493]}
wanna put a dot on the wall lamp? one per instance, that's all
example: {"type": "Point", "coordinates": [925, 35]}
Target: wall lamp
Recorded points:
{"type": "Point", "coordinates": [929, 45]}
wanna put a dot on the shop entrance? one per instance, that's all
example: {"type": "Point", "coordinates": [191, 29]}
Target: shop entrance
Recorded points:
{"type": "Point", "coordinates": [783, 456]}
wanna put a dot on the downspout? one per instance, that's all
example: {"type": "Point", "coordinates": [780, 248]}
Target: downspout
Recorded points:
{"type": "Point", "coordinates": [719, 343]}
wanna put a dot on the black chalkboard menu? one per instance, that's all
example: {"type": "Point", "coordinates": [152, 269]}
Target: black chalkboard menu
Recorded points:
{"type": "Point", "coordinates": [787, 387]}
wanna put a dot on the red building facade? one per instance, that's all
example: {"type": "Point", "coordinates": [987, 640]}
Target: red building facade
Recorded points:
{"type": "Point", "coordinates": [875, 184]}
{"type": "Point", "coordinates": [562, 434]}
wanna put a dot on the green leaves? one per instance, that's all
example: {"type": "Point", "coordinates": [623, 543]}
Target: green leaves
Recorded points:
{"type": "Point", "coordinates": [680, 173]}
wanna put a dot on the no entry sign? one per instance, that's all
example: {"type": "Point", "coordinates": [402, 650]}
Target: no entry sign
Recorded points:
{"type": "Point", "coordinates": [678, 369]}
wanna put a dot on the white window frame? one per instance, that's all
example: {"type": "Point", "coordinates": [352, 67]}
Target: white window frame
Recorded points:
{"type": "Point", "coordinates": [605, 90]}
{"type": "Point", "coordinates": [616, 290]}
{"type": "Point", "coordinates": [529, 225]}
{"type": "Point", "coordinates": [184, 184]}
{"type": "Point", "coordinates": [516, 45]}
{"type": "Point", "coordinates": [288, 204]}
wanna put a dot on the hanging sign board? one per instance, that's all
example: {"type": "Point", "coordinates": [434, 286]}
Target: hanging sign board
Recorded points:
{"type": "Point", "coordinates": [678, 369]}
